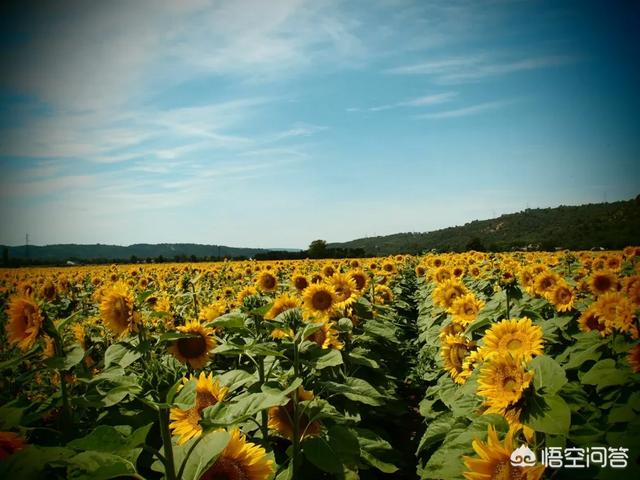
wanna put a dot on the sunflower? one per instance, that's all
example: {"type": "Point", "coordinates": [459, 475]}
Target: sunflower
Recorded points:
{"type": "Point", "coordinates": [382, 295]}
{"type": "Point", "coordinates": [186, 423]}
{"type": "Point", "coordinates": [447, 291]}
{"type": "Point", "coordinates": [345, 288]}
{"type": "Point", "coordinates": [193, 350]}
{"type": "Point", "coordinates": [632, 288]}
{"type": "Point", "coordinates": [280, 333]}
{"type": "Point", "coordinates": [441, 274]}
{"type": "Point", "coordinates": [453, 328]}
{"type": "Point", "coordinates": [495, 460]}
{"type": "Point", "coordinates": [466, 308]}
{"type": "Point", "coordinates": [49, 348]}
{"type": "Point", "coordinates": [389, 267]}
{"type": "Point", "coordinates": [545, 281]}
{"type": "Point", "coordinates": [562, 297]}
{"type": "Point", "coordinates": [360, 278]}
{"type": "Point", "coordinates": [246, 292]}
{"type": "Point", "coordinates": [590, 320]}
{"type": "Point", "coordinates": [615, 310]}
{"type": "Point", "coordinates": [240, 460]}
{"type": "Point", "coordinates": [10, 443]}
{"type": "Point", "coordinates": [502, 381]}
{"type": "Point", "coordinates": [319, 300]}
{"type": "Point", "coordinates": [282, 304]}
{"type": "Point", "coordinates": [299, 281]}
{"type": "Point", "coordinates": [633, 357]}
{"type": "Point", "coordinates": [327, 337]}
{"type": "Point", "coordinates": [116, 309]}
{"type": "Point", "coordinates": [211, 312]}
{"type": "Point", "coordinates": [603, 282]}
{"type": "Point", "coordinates": [328, 270]}
{"type": "Point", "coordinates": [280, 418]}
{"type": "Point", "coordinates": [266, 282]}
{"type": "Point", "coordinates": [515, 336]}
{"type": "Point", "coordinates": [24, 321]}
{"type": "Point", "coordinates": [455, 348]}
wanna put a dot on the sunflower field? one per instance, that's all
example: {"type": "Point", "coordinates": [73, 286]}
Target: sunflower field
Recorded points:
{"type": "Point", "coordinates": [441, 366]}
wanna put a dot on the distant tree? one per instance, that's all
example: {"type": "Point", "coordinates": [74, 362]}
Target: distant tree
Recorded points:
{"type": "Point", "coordinates": [133, 259]}
{"type": "Point", "coordinates": [5, 256]}
{"type": "Point", "coordinates": [193, 258]}
{"type": "Point", "coordinates": [317, 249]}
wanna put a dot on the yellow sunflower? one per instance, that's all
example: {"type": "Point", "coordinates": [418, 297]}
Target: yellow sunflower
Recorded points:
{"type": "Point", "coordinates": [116, 309]}
{"type": "Point", "coordinates": [299, 281]}
{"type": "Point", "coordinates": [345, 288]}
{"type": "Point", "coordinates": [327, 337]}
{"type": "Point", "coordinates": [633, 357]}
{"type": "Point", "coordinates": [266, 282]}
{"type": "Point", "coordinates": [361, 279]}
{"type": "Point", "coordinates": [515, 336]}
{"type": "Point", "coordinates": [246, 292]}
{"type": "Point", "coordinates": [603, 282]}
{"type": "Point", "coordinates": [495, 460]}
{"type": "Point", "coordinates": [502, 381]}
{"type": "Point", "coordinates": [561, 296]}
{"type": "Point", "coordinates": [383, 294]}
{"type": "Point", "coordinates": [465, 308]}
{"type": "Point", "coordinates": [186, 423]}
{"type": "Point", "coordinates": [545, 281]}
{"type": "Point", "coordinates": [590, 320]}
{"type": "Point", "coordinates": [282, 304]}
{"type": "Point", "coordinates": [448, 291]}
{"type": "Point", "coordinates": [24, 321]}
{"type": "Point", "coordinates": [211, 312]}
{"type": "Point", "coordinates": [454, 350]}
{"type": "Point", "coordinates": [194, 350]}
{"type": "Point", "coordinates": [240, 460]}
{"type": "Point", "coordinates": [615, 310]}
{"type": "Point", "coordinates": [319, 300]}
{"type": "Point", "coordinates": [280, 418]}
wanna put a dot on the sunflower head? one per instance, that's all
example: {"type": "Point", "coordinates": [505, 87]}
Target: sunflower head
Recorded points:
{"type": "Point", "coordinates": [465, 308]}
{"type": "Point", "coordinates": [266, 282]}
{"type": "Point", "coordinates": [319, 300]}
{"type": "Point", "coordinates": [280, 418]}
{"type": "Point", "coordinates": [503, 380]}
{"type": "Point", "coordinates": [117, 309]}
{"type": "Point", "coordinates": [494, 462]}
{"type": "Point", "coordinates": [603, 281]}
{"type": "Point", "coordinates": [327, 336]}
{"type": "Point", "coordinates": [361, 279]}
{"type": "Point", "coordinates": [454, 350]}
{"type": "Point", "coordinates": [240, 460]}
{"type": "Point", "coordinates": [382, 294]}
{"type": "Point", "coordinates": [561, 296]}
{"type": "Point", "coordinates": [186, 423]}
{"type": "Point", "coordinates": [633, 357]}
{"type": "Point", "coordinates": [195, 349]}
{"type": "Point", "coordinates": [24, 321]}
{"type": "Point", "coordinates": [517, 337]}
{"type": "Point", "coordinates": [282, 304]}
{"type": "Point", "coordinates": [590, 321]}
{"type": "Point", "coordinates": [345, 288]}
{"type": "Point", "coordinates": [299, 281]}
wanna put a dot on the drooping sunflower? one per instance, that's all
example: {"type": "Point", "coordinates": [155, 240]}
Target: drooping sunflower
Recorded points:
{"type": "Point", "coordinates": [590, 320]}
{"type": "Point", "coordinates": [562, 297]}
{"type": "Point", "coordinates": [495, 460]}
{"type": "Point", "coordinates": [327, 336]}
{"type": "Point", "coordinates": [10, 443]}
{"type": "Point", "coordinates": [515, 337]}
{"type": "Point", "coordinates": [186, 423]}
{"type": "Point", "coordinates": [246, 292]}
{"type": "Point", "coordinates": [454, 350]}
{"type": "Point", "coordinates": [319, 300]}
{"type": "Point", "coordinates": [502, 380]}
{"type": "Point", "coordinates": [194, 350]}
{"type": "Point", "coordinates": [116, 309]}
{"type": "Point", "coordinates": [24, 321]}
{"type": "Point", "coordinates": [266, 282]}
{"type": "Point", "coordinates": [382, 294]}
{"type": "Point", "coordinates": [633, 357]}
{"type": "Point", "coordinates": [345, 288]}
{"type": "Point", "coordinates": [465, 308]}
{"type": "Point", "coordinates": [240, 460]}
{"type": "Point", "coordinates": [282, 304]}
{"type": "Point", "coordinates": [280, 419]}
{"type": "Point", "coordinates": [602, 282]}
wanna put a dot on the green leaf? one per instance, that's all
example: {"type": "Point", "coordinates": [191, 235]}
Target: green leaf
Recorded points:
{"type": "Point", "coordinates": [357, 390]}
{"type": "Point", "coordinates": [549, 376]}
{"type": "Point", "coordinates": [72, 357]}
{"type": "Point", "coordinates": [10, 417]}
{"type": "Point", "coordinates": [234, 379]}
{"type": "Point", "coordinates": [320, 453]}
{"type": "Point", "coordinates": [31, 462]}
{"type": "Point", "coordinates": [204, 454]}
{"type": "Point", "coordinates": [374, 450]}
{"type": "Point", "coordinates": [172, 336]}
{"type": "Point", "coordinates": [16, 360]}
{"type": "Point", "coordinates": [344, 443]}
{"type": "Point", "coordinates": [328, 358]}
{"type": "Point", "coordinates": [586, 348]}
{"type": "Point", "coordinates": [555, 418]}
{"type": "Point", "coordinates": [120, 354]}
{"type": "Point", "coordinates": [606, 374]}
{"type": "Point", "coordinates": [92, 465]}
{"type": "Point", "coordinates": [229, 320]}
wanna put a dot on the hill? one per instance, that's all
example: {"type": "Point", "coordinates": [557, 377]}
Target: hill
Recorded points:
{"type": "Point", "coordinates": [600, 225]}
{"type": "Point", "coordinates": [140, 251]}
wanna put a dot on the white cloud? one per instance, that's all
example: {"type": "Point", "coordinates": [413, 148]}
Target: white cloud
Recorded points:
{"type": "Point", "coordinates": [423, 101]}
{"type": "Point", "coordinates": [467, 111]}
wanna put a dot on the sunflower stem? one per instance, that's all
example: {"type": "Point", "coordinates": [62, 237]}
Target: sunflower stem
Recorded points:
{"type": "Point", "coordinates": [264, 418]}
{"type": "Point", "coordinates": [294, 400]}
{"type": "Point", "coordinates": [508, 307]}
{"type": "Point", "coordinates": [195, 299]}
{"type": "Point", "coordinates": [163, 418]}
{"type": "Point", "coordinates": [66, 419]}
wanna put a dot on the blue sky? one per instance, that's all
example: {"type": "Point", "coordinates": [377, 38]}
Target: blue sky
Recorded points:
{"type": "Point", "coordinates": [271, 124]}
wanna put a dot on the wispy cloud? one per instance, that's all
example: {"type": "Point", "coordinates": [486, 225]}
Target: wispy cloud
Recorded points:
{"type": "Point", "coordinates": [423, 101]}
{"type": "Point", "coordinates": [467, 111]}
{"type": "Point", "coordinates": [472, 68]}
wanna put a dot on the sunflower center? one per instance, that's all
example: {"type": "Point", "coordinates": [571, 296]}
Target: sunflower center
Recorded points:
{"type": "Point", "coordinates": [192, 347]}
{"type": "Point", "coordinates": [321, 301]}
{"type": "Point", "coordinates": [602, 283]}
{"type": "Point", "coordinates": [504, 471]}
{"type": "Point", "coordinates": [120, 310]}
{"type": "Point", "coordinates": [360, 281]}
{"type": "Point", "coordinates": [514, 344]}
{"type": "Point", "coordinates": [510, 384]}
{"type": "Point", "coordinates": [301, 283]}
{"type": "Point", "coordinates": [319, 337]}
{"type": "Point", "coordinates": [225, 469]}
{"type": "Point", "coordinates": [268, 282]}
{"type": "Point", "coordinates": [204, 399]}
